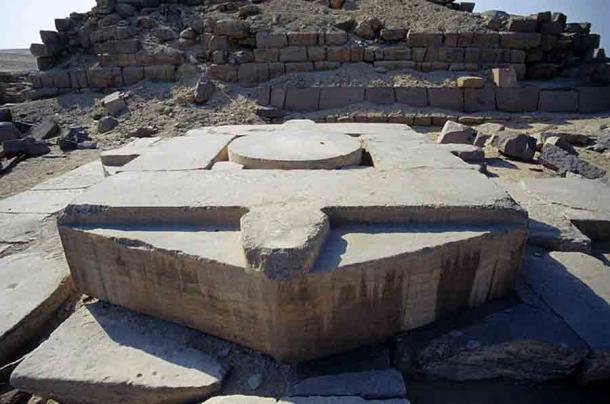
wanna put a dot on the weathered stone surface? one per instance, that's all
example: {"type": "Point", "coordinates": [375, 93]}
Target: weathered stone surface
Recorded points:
{"type": "Point", "coordinates": [296, 150]}
{"type": "Point", "coordinates": [190, 220]}
{"type": "Point", "coordinates": [380, 95]}
{"type": "Point", "coordinates": [337, 97]}
{"type": "Point", "coordinates": [413, 96]}
{"type": "Point", "coordinates": [48, 202]}
{"type": "Point", "coordinates": [80, 178]}
{"type": "Point", "coordinates": [518, 99]}
{"type": "Point", "coordinates": [476, 100]}
{"type": "Point", "coordinates": [514, 144]}
{"type": "Point", "coordinates": [156, 364]}
{"type": "Point", "coordinates": [485, 131]}
{"type": "Point", "coordinates": [576, 139]}
{"type": "Point", "coordinates": [302, 99]}
{"type": "Point", "coordinates": [32, 287]}
{"type": "Point", "coordinates": [204, 90]}
{"type": "Point", "coordinates": [380, 384]}
{"type": "Point", "coordinates": [446, 98]}
{"type": "Point", "coordinates": [20, 228]}
{"type": "Point", "coordinates": [558, 159]}
{"type": "Point", "coordinates": [232, 28]}
{"type": "Point", "coordinates": [238, 399]}
{"type": "Point", "coordinates": [561, 143]}
{"type": "Point", "coordinates": [181, 153]}
{"type": "Point", "coordinates": [122, 156]}
{"type": "Point", "coordinates": [593, 99]}
{"type": "Point", "coordinates": [577, 288]}
{"type": "Point", "coordinates": [522, 342]}
{"type": "Point", "coordinates": [454, 132]}
{"type": "Point", "coordinates": [558, 101]}
{"type": "Point", "coordinates": [470, 82]}
{"type": "Point", "coordinates": [114, 103]}
{"type": "Point", "coordinates": [106, 124]}
{"type": "Point", "coordinates": [47, 129]}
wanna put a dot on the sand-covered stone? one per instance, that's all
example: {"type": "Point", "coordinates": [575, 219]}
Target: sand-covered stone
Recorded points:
{"type": "Point", "coordinates": [105, 354]}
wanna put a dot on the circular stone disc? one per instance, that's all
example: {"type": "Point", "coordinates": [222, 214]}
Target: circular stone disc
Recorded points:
{"type": "Point", "coordinates": [296, 150]}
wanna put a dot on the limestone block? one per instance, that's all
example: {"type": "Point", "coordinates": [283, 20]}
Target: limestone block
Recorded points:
{"type": "Point", "coordinates": [120, 157]}
{"type": "Point", "coordinates": [78, 79]}
{"type": "Point", "coordinates": [338, 97]}
{"type": "Point", "coordinates": [129, 46]}
{"type": "Point", "coordinates": [224, 72]}
{"type": "Point", "coordinates": [316, 53]}
{"type": "Point", "coordinates": [517, 99]}
{"type": "Point", "coordinates": [302, 38]}
{"type": "Point", "coordinates": [520, 40]}
{"type": "Point", "coordinates": [380, 95]}
{"type": "Point", "coordinates": [133, 74]}
{"type": "Point", "coordinates": [114, 103]}
{"type": "Point", "coordinates": [106, 77]}
{"type": "Point", "coordinates": [232, 28]}
{"type": "Point", "coordinates": [299, 67]}
{"type": "Point", "coordinates": [446, 98]}
{"type": "Point", "coordinates": [266, 55]}
{"type": "Point", "coordinates": [470, 82]}
{"type": "Point", "coordinates": [505, 77]}
{"type": "Point", "coordinates": [156, 363]}
{"type": "Point", "coordinates": [39, 202]}
{"type": "Point", "coordinates": [486, 40]}
{"type": "Point", "coordinates": [476, 100]}
{"type": "Point", "coordinates": [558, 101]}
{"type": "Point", "coordinates": [293, 54]}
{"type": "Point", "coordinates": [278, 97]}
{"type": "Point", "coordinates": [335, 38]}
{"type": "Point", "coordinates": [253, 72]}
{"type": "Point", "coordinates": [268, 40]}
{"type": "Point", "coordinates": [424, 39]}
{"type": "Point", "coordinates": [562, 161]}
{"type": "Point", "coordinates": [454, 132]}
{"type": "Point", "coordinates": [515, 145]}
{"type": "Point", "coordinates": [338, 54]}
{"type": "Point", "coordinates": [302, 99]}
{"type": "Point", "coordinates": [33, 286]}
{"type": "Point", "coordinates": [397, 53]}
{"type": "Point", "coordinates": [413, 96]}
{"type": "Point", "coordinates": [593, 99]}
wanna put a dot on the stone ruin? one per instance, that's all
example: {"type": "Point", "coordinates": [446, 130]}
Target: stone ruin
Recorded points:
{"type": "Point", "coordinates": [281, 236]}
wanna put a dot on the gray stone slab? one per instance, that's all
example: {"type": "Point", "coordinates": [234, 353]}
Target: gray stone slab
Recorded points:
{"type": "Point", "coordinates": [376, 384]}
{"type": "Point", "coordinates": [105, 354]}
{"type": "Point", "coordinates": [20, 228]}
{"type": "Point", "coordinates": [120, 157]}
{"type": "Point", "coordinates": [41, 202]}
{"type": "Point", "coordinates": [80, 178]}
{"type": "Point", "coordinates": [338, 400]}
{"type": "Point", "coordinates": [32, 287]}
{"type": "Point", "coordinates": [181, 153]}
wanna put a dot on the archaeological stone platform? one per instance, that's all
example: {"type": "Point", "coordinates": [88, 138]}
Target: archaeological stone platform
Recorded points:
{"type": "Point", "coordinates": [390, 233]}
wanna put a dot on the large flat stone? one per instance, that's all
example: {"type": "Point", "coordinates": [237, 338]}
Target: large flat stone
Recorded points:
{"type": "Point", "coordinates": [240, 399]}
{"type": "Point", "coordinates": [120, 157]}
{"type": "Point", "coordinates": [105, 354]}
{"type": "Point", "coordinates": [20, 228]}
{"type": "Point", "coordinates": [40, 202]}
{"type": "Point", "coordinates": [80, 178]}
{"type": "Point", "coordinates": [32, 287]}
{"type": "Point", "coordinates": [181, 153]}
{"type": "Point", "coordinates": [577, 288]}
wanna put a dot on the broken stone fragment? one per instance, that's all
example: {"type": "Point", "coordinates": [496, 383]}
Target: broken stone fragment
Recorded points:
{"type": "Point", "coordinates": [336, 4]}
{"type": "Point", "coordinates": [561, 143]}
{"type": "Point", "coordinates": [8, 131]}
{"type": "Point", "coordinates": [515, 145]}
{"type": "Point", "coordinates": [249, 10]}
{"type": "Point", "coordinates": [105, 354]}
{"type": "Point", "coordinates": [368, 28]}
{"type": "Point", "coordinates": [106, 124]}
{"type": "Point", "coordinates": [576, 139]}
{"type": "Point", "coordinates": [47, 129]}
{"type": "Point", "coordinates": [71, 139]}
{"type": "Point", "coordinates": [454, 132]}
{"type": "Point", "coordinates": [114, 103]}
{"type": "Point", "coordinates": [485, 131]}
{"type": "Point", "coordinates": [232, 28]}
{"type": "Point", "coordinates": [26, 146]}
{"type": "Point", "coordinates": [563, 162]}
{"type": "Point", "coordinates": [471, 82]}
{"type": "Point", "coordinates": [5, 115]}
{"type": "Point", "coordinates": [204, 90]}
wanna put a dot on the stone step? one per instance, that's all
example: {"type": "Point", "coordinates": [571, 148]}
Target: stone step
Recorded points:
{"type": "Point", "coordinates": [105, 354]}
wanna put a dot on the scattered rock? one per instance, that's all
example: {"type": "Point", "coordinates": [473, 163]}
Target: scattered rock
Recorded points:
{"type": "Point", "coordinates": [47, 129]}
{"type": "Point", "coordinates": [87, 145]}
{"type": "Point", "coordinates": [156, 364]}
{"type": "Point", "coordinates": [377, 384]}
{"type": "Point", "coordinates": [143, 131]}
{"type": "Point", "coordinates": [485, 131]}
{"type": "Point", "coordinates": [495, 19]}
{"type": "Point", "coordinates": [557, 159]}
{"type": "Point", "coordinates": [561, 143]}
{"type": "Point", "coordinates": [249, 10]}
{"type": "Point", "coordinates": [107, 124]}
{"type": "Point", "coordinates": [114, 103]}
{"type": "Point", "coordinates": [27, 146]}
{"type": "Point", "coordinates": [576, 139]}
{"type": "Point", "coordinates": [368, 28]}
{"type": "Point", "coordinates": [515, 145]}
{"type": "Point", "coordinates": [8, 131]}
{"type": "Point", "coordinates": [346, 24]}
{"type": "Point", "coordinates": [336, 4]}
{"type": "Point", "coordinates": [204, 90]}
{"type": "Point", "coordinates": [70, 140]}
{"type": "Point", "coordinates": [5, 115]}
{"type": "Point", "coordinates": [454, 132]}
{"type": "Point", "coordinates": [232, 28]}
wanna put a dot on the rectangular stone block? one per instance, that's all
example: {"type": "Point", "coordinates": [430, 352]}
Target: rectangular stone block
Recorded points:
{"type": "Point", "coordinates": [268, 40]}
{"type": "Point", "coordinates": [395, 64]}
{"type": "Point", "coordinates": [451, 55]}
{"type": "Point", "coordinates": [380, 95]}
{"type": "Point", "coordinates": [253, 72]}
{"type": "Point", "coordinates": [446, 98]}
{"type": "Point", "coordinates": [397, 53]}
{"type": "Point", "coordinates": [164, 73]}
{"type": "Point", "coordinates": [593, 99]}
{"type": "Point", "coordinates": [425, 39]}
{"type": "Point", "coordinates": [338, 97]}
{"type": "Point", "coordinates": [412, 96]}
{"type": "Point", "coordinates": [299, 67]}
{"type": "Point", "coordinates": [492, 56]}
{"type": "Point", "coordinates": [302, 99]}
{"type": "Point", "coordinates": [517, 99]}
{"type": "Point", "coordinates": [121, 46]}
{"type": "Point", "coordinates": [276, 70]}
{"type": "Point", "coordinates": [520, 40]}
{"type": "Point", "coordinates": [78, 79]}
{"type": "Point", "coordinates": [316, 54]}
{"type": "Point", "coordinates": [356, 54]}
{"type": "Point", "coordinates": [483, 99]}
{"type": "Point", "coordinates": [335, 38]}
{"type": "Point", "coordinates": [472, 55]}
{"type": "Point", "coordinates": [302, 38]}
{"type": "Point", "coordinates": [277, 98]}
{"type": "Point", "coordinates": [338, 54]}
{"type": "Point", "coordinates": [486, 40]}
{"type": "Point", "coordinates": [266, 55]}
{"type": "Point", "coordinates": [293, 54]}
{"type": "Point", "coordinates": [465, 39]}
{"type": "Point", "coordinates": [105, 77]}
{"type": "Point", "coordinates": [558, 101]}
{"type": "Point", "coordinates": [223, 72]}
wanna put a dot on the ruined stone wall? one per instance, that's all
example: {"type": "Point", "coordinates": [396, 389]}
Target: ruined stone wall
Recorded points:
{"type": "Point", "coordinates": [124, 45]}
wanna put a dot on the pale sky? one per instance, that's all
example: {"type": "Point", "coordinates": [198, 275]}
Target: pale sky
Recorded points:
{"type": "Point", "coordinates": [20, 20]}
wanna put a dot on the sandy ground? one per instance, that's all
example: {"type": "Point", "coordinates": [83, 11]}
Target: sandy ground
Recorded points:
{"type": "Point", "coordinates": [16, 60]}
